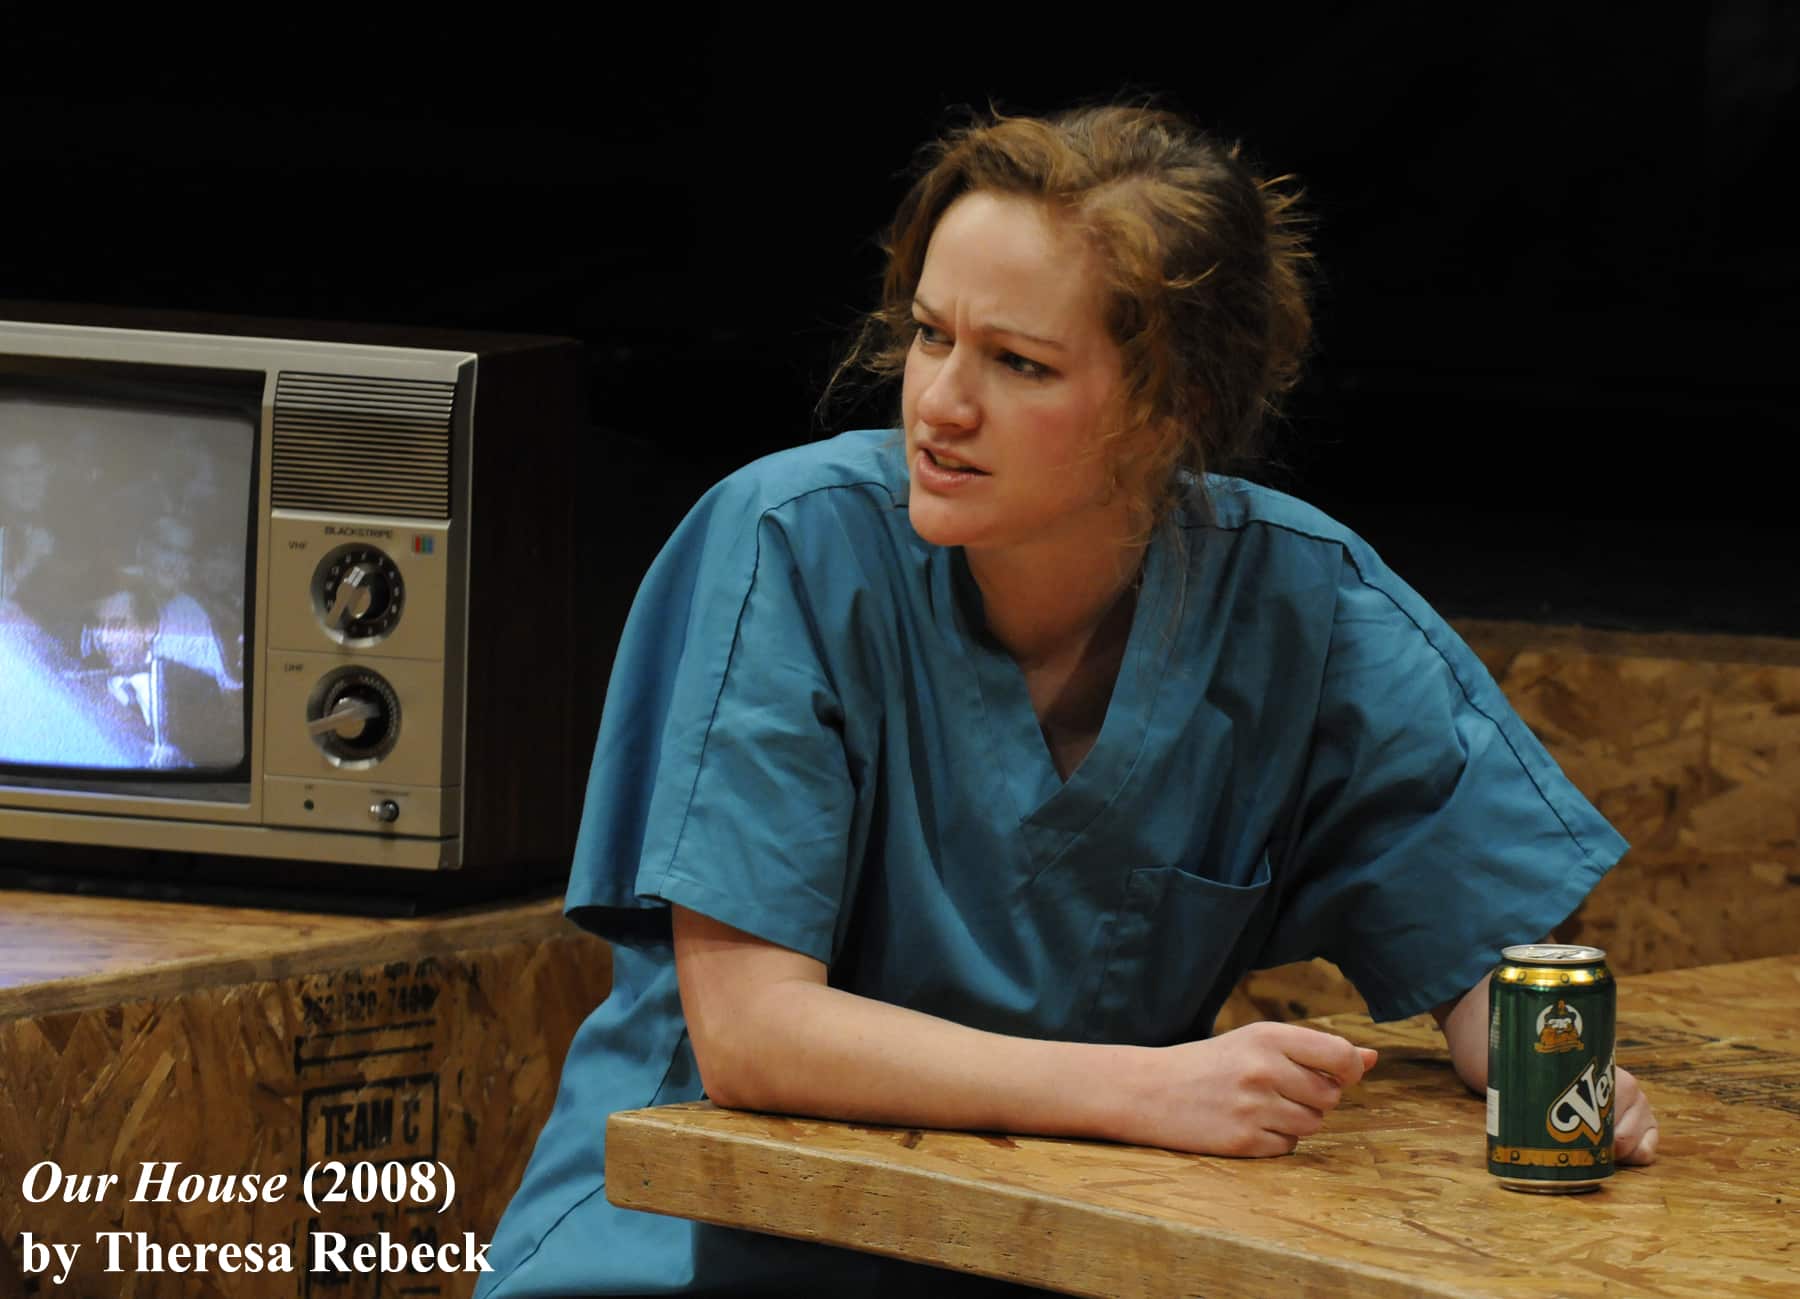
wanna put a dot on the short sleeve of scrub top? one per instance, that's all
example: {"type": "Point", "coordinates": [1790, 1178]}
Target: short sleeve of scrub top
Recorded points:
{"type": "Point", "coordinates": [1428, 825]}
{"type": "Point", "coordinates": [720, 780]}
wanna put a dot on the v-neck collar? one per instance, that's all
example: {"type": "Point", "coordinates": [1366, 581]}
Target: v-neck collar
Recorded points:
{"type": "Point", "coordinates": [1020, 761]}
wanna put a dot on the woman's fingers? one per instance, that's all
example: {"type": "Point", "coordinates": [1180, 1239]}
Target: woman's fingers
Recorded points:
{"type": "Point", "coordinates": [1323, 1067]}
{"type": "Point", "coordinates": [1326, 1053]}
{"type": "Point", "coordinates": [1310, 1089]}
{"type": "Point", "coordinates": [1257, 1090]}
{"type": "Point", "coordinates": [1291, 1118]}
{"type": "Point", "coordinates": [1635, 1132]}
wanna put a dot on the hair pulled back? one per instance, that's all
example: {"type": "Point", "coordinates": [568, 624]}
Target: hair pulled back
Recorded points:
{"type": "Point", "coordinates": [1205, 262]}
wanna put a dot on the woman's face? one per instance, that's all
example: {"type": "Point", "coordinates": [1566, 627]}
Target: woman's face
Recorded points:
{"type": "Point", "coordinates": [1008, 381]}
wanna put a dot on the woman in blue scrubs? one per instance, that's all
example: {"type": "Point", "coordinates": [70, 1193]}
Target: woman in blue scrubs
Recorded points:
{"type": "Point", "coordinates": [952, 775]}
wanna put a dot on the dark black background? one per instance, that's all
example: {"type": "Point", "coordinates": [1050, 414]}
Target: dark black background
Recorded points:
{"type": "Point", "coordinates": [1556, 327]}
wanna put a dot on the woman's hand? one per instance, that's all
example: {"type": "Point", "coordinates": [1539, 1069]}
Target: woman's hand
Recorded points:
{"type": "Point", "coordinates": [1635, 1133]}
{"type": "Point", "coordinates": [1254, 1091]}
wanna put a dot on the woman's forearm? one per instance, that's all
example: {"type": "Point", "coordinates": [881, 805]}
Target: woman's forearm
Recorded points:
{"type": "Point", "coordinates": [802, 1047]}
{"type": "Point", "coordinates": [769, 1033]}
{"type": "Point", "coordinates": [1465, 1025]}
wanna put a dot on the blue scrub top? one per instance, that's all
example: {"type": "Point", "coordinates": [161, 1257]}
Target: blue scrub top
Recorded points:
{"type": "Point", "coordinates": [810, 737]}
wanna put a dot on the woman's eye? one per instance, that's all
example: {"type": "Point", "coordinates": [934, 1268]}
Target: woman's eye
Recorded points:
{"type": "Point", "coordinates": [1024, 365]}
{"type": "Point", "coordinates": [929, 335]}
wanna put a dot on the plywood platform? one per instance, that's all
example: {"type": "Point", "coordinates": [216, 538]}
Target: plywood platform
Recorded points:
{"type": "Point", "coordinates": [248, 1042]}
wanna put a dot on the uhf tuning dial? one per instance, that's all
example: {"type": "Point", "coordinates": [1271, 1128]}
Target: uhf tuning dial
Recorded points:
{"type": "Point", "coordinates": [358, 594]}
{"type": "Point", "coordinates": [353, 715]}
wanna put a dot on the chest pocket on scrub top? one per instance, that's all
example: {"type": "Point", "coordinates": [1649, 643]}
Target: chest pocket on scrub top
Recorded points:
{"type": "Point", "coordinates": [1170, 939]}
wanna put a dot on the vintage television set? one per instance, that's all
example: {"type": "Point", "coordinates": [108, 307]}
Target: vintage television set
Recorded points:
{"type": "Point", "coordinates": [289, 604]}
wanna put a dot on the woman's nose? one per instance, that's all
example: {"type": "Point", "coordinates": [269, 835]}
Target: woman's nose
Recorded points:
{"type": "Point", "coordinates": [948, 400]}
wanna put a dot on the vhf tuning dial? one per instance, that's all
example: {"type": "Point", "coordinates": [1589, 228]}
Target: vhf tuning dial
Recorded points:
{"type": "Point", "coordinates": [353, 715]}
{"type": "Point", "coordinates": [358, 594]}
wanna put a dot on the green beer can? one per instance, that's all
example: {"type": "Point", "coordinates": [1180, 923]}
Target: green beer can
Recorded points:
{"type": "Point", "coordinates": [1551, 1013]}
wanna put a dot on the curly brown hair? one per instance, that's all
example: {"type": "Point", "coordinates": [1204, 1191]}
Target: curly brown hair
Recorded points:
{"type": "Point", "coordinates": [1206, 264]}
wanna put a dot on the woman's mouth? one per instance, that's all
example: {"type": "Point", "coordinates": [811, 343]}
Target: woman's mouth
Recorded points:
{"type": "Point", "coordinates": [943, 466]}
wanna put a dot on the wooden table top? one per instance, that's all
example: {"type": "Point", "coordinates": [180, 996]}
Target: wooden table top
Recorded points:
{"type": "Point", "coordinates": [61, 952]}
{"type": "Point", "coordinates": [1393, 1198]}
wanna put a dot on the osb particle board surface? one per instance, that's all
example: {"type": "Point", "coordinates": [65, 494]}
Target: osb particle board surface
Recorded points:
{"type": "Point", "coordinates": [1391, 1198]}
{"type": "Point", "coordinates": [67, 952]}
{"type": "Point", "coordinates": [438, 1040]}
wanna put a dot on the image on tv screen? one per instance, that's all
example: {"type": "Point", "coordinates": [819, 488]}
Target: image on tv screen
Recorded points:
{"type": "Point", "coordinates": [124, 536]}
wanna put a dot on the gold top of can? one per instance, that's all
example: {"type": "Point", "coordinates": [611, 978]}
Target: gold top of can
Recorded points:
{"type": "Point", "coordinates": [1552, 954]}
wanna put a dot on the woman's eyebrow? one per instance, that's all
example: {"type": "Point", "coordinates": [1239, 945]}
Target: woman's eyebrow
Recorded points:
{"type": "Point", "coordinates": [996, 327]}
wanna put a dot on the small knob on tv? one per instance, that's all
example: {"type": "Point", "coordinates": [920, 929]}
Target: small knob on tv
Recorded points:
{"type": "Point", "coordinates": [361, 593]}
{"type": "Point", "coordinates": [358, 593]}
{"type": "Point", "coordinates": [386, 811]}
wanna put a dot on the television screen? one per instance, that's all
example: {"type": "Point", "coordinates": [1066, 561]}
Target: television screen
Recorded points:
{"type": "Point", "coordinates": [125, 550]}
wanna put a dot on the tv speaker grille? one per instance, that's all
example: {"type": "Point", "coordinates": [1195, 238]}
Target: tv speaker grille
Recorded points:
{"type": "Point", "coordinates": [362, 446]}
